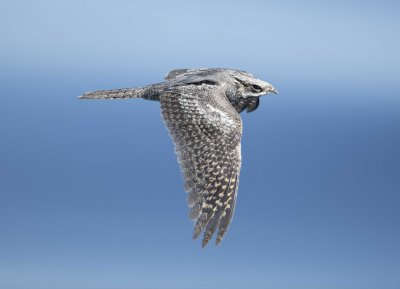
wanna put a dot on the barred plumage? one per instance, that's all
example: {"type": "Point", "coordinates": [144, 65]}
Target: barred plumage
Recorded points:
{"type": "Point", "coordinates": [201, 109]}
{"type": "Point", "coordinates": [208, 146]}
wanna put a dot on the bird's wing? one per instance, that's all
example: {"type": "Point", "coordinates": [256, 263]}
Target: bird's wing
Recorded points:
{"type": "Point", "coordinates": [206, 131]}
{"type": "Point", "coordinates": [175, 73]}
{"type": "Point", "coordinates": [250, 103]}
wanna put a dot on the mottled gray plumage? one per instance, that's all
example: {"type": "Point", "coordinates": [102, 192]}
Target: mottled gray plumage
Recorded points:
{"type": "Point", "coordinates": [201, 111]}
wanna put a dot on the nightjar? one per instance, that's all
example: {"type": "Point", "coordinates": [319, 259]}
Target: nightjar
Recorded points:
{"type": "Point", "coordinates": [201, 110]}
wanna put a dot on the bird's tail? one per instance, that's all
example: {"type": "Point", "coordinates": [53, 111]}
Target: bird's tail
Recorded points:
{"type": "Point", "coordinates": [150, 92]}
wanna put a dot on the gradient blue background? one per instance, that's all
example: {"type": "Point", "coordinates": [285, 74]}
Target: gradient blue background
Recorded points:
{"type": "Point", "coordinates": [91, 196]}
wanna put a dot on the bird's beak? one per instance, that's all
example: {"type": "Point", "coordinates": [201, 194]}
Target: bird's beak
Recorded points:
{"type": "Point", "coordinates": [273, 90]}
{"type": "Point", "coordinates": [270, 89]}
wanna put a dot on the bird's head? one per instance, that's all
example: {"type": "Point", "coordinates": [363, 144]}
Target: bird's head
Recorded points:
{"type": "Point", "coordinates": [242, 89]}
{"type": "Point", "coordinates": [247, 90]}
{"type": "Point", "coordinates": [249, 86]}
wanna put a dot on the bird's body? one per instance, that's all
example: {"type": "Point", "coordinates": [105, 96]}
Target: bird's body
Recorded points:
{"type": "Point", "coordinates": [201, 110]}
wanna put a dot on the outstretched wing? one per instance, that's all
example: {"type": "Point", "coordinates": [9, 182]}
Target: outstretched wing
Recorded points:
{"type": "Point", "coordinates": [207, 131]}
{"type": "Point", "coordinates": [175, 73]}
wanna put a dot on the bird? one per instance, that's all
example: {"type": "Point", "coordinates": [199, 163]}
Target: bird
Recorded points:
{"type": "Point", "coordinates": [201, 109]}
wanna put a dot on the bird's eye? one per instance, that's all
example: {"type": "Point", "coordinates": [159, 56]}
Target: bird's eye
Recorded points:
{"type": "Point", "coordinates": [256, 88]}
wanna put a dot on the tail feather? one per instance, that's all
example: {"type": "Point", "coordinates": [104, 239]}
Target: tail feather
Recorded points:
{"type": "Point", "coordinates": [150, 92]}
{"type": "Point", "coordinates": [112, 94]}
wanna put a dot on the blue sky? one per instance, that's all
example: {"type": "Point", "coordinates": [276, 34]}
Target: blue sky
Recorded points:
{"type": "Point", "coordinates": [91, 195]}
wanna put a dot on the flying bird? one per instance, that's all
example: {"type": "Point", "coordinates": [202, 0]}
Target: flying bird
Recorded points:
{"type": "Point", "coordinates": [201, 110]}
